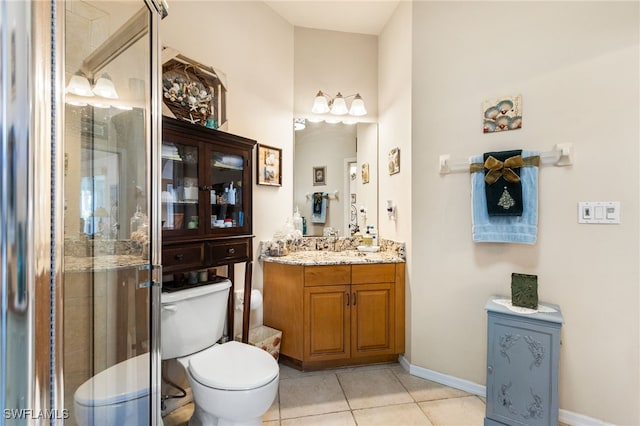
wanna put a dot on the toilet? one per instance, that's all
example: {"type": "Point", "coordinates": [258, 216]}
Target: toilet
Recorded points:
{"type": "Point", "coordinates": [232, 383]}
{"type": "Point", "coordinates": [118, 395]}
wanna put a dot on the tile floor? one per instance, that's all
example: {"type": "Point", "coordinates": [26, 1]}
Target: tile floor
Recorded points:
{"type": "Point", "coordinates": [370, 395]}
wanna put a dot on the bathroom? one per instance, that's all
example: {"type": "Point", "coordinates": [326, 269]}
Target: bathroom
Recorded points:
{"type": "Point", "coordinates": [423, 78]}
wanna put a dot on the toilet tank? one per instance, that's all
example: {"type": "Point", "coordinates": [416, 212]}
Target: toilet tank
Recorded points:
{"type": "Point", "coordinates": [193, 319]}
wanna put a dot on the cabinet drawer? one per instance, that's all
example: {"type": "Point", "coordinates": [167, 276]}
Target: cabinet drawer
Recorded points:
{"type": "Point", "coordinates": [327, 275]}
{"type": "Point", "coordinates": [183, 257]}
{"type": "Point", "coordinates": [236, 251]}
{"type": "Point", "coordinates": [376, 273]}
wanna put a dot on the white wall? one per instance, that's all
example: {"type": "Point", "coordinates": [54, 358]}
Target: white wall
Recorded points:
{"type": "Point", "coordinates": [333, 62]}
{"type": "Point", "coordinates": [254, 47]}
{"type": "Point", "coordinates": [576, 66]}
{"type": "Point", "coordinates": [394, 104]}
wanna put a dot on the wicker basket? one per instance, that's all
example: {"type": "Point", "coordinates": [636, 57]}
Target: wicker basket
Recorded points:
{"type": "Point", "coordinates": [193, 92]}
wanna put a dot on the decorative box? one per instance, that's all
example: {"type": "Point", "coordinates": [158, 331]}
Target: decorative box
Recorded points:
{"type": "Point", "coordinates": [192, 91]}
{"type": "Point", "coordinates": [265, 338]}
{"type": "Point", "coordinates": [524, 290]}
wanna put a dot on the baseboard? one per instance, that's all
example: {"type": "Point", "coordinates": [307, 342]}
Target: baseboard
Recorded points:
{"type": "Point", "coordinates": [575, 419]}
{"type": "Point", "coordinates": [568, 417]}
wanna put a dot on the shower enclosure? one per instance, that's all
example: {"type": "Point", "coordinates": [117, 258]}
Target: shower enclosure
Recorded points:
{"type": "Point", "coordinates": [80, 250]}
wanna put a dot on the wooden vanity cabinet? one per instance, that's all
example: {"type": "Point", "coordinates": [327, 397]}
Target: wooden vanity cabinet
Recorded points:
{"type": "Point", "coordinates": [335, 315]}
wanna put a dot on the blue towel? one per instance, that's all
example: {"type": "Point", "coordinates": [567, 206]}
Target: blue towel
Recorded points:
{"type": "Point", "coordinates": [319, 207]}
{"type": "Point", "coordinates": [506, 229]}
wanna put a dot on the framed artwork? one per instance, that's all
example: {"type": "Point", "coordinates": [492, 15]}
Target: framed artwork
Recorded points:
{"type": "Point", "coordinates": [365, 172]}
{"type": "Point", "coordinates": [394, 161]}
{"type": "Point", "coordinates": [502, 114]}
{"type": "Point", "coordinates": [320, 175]}
{"type": "Point", "coordinates": [269, 165]}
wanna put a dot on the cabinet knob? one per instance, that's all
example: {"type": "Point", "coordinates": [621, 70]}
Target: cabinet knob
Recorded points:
{"type": "Point", "coordinates": [489, 369]}
{"type": "Point", "coordinates": [179, 256]}
{"type": "Point", "coordinates": [231, 251]}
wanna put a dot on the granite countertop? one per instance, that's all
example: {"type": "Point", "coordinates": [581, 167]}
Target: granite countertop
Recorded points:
{"type": "Point", "coordinates": [321, 257]}
{"type": "Point", "coordinates": [104, 262]}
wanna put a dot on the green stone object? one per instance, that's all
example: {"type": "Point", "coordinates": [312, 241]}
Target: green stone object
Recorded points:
{"type": "Point", "coordinates": [524, 290]}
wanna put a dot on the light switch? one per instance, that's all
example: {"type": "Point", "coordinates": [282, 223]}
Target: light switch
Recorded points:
{"type": "Point", "coordinates": [607, 212]}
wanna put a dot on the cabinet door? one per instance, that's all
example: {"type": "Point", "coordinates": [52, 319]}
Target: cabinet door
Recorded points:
{"type": "Point", "coordinates": [180, 186]}
{"type": "Point", "coordinates": [520, 373]}
{"type": "Point", "coordinates": [228, 178]}
{"type": "Point", "coordinates": [327, 322]}
{"type": "Point", "coordinates": [372, 319]}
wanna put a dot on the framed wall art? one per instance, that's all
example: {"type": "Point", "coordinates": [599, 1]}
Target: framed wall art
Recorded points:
{"type": "Point", "coordinates": [394, 161]}
{"type": "Point", "coordinates": [320, 175]}
{"type": "Point", "coordinates": [365, 173]}
{"type": "Point", "coordinates": [269, 165]}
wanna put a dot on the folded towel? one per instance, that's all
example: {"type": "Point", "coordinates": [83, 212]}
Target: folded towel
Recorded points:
{"type": "Point", "coordinates": [319, 207]}
{"type": "Point", "coordinates": [504, 195]}
{"type": "Point", "coordinates": [506, 229]}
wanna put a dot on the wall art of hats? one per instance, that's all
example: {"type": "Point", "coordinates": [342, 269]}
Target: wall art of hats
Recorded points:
{"type": "Point", "coordinates": [502, 114]}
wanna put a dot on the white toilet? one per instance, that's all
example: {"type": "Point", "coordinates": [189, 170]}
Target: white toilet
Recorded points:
{"type": "Point", "coordinates": [232, 383]}
{"type": "Point", "coordinates": [118, 395]}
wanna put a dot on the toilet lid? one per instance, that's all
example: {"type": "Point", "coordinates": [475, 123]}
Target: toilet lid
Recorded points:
{"type": "Point", "coordinates": [233, 366]}
{"type": "Point", "coordinates": [124, 381]}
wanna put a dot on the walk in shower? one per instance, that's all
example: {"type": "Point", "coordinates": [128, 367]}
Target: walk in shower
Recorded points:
{"type": "Point", "coordinates": [80, 243]}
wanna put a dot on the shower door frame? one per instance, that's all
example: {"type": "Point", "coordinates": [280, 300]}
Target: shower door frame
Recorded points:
{"type": "Point", "coordinates": [32, 206]}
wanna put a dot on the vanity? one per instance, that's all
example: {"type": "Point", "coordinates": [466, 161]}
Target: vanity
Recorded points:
{"type": "Point", "coordinates": [336, 308]}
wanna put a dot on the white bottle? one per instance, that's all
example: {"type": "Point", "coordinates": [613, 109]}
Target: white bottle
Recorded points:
{"type": "Point", "coordinates": [297, 221]}
{"type": "Point", "coordinates": [232, 194]}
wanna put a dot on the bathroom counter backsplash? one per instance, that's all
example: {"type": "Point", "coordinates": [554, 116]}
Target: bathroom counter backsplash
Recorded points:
{"type": "Point", "coordinates": [331, 251]}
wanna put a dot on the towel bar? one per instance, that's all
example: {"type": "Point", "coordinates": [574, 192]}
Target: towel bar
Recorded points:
{"type": "Point", "coordinates": [560, 155]}
{"type": "Point", "coordinates": [332, 196]}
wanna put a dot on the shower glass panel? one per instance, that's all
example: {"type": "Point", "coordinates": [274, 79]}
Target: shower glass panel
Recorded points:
{"type": "Point", "coordinates": [107, 199]}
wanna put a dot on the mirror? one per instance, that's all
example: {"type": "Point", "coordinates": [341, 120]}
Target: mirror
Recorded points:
{"type": "Point", "coordinates": [340, 162]}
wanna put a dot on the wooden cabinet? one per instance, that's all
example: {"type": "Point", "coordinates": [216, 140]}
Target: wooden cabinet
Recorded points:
{"type": "Point", "coordinates": [522, 365]}
{"type": "Point", "coordinates": [335, 315]}
{"type": "Point", "coordinates": [206, 202]}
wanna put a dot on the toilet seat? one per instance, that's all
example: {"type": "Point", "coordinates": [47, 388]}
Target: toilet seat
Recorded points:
{"type": "Point", "coordinates": [125, 381]}
{"type": "Point", "coordinates": [233, 366]}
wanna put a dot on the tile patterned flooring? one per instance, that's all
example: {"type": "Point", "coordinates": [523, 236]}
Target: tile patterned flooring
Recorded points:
{"type": "Point", "coordinates": [370, 395]}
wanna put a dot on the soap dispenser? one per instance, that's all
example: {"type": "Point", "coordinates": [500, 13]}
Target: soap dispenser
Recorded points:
{"type": "Point", "coordinates": [374, 236]}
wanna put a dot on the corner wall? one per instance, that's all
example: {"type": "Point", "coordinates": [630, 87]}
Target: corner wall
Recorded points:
{"type": "Point", "coordinates": [576, 66]}
{"type": "Point", "coordinates": [254, 47]}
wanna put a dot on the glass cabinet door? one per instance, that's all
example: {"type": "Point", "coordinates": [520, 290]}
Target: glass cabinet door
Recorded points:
{"type": "Point", "coordinates": [180, 187]}
{"type": "Point", "coordinates": [226, 174]}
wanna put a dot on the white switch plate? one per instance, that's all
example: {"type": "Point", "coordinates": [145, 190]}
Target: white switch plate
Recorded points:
{"type": "Point", "coordinates": [599, 212]}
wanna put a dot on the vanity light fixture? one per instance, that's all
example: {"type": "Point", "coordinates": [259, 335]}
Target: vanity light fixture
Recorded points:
{"type": "Point", "coordinates": [104, 87]}
{"type": "Point", "coordinates": [299, 124]}
{"type": "Point", "coordinates": [79, 85]}
{"type": "Point", "coordinates": [337, 105]}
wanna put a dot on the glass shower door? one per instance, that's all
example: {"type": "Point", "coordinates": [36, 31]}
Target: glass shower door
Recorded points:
{"type": "Point", "coordinates": [109, 236]}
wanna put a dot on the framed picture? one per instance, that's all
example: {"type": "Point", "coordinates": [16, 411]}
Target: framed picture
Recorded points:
{"type": "Point", "coordinates": [320, 175]}
{"type": "Point", "coordinates": [269, 165]}
{"type": "Point", "coordinates": [365, 173]}
{"type": "Point", "coordinates": [394, 161]}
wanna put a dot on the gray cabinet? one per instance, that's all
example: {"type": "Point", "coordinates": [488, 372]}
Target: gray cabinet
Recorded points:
{"type": "Point", "coordinates": [522, 365]}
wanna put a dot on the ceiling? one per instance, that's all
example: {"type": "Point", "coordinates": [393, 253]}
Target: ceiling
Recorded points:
{"type": "Point", "coordinates": [352, 16]}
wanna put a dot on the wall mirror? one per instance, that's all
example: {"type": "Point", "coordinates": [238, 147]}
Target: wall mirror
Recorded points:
{"type": "Point", "coordinates": [348, 156]}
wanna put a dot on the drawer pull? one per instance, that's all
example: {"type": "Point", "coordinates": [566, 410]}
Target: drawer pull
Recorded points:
{"type": "Point", "coordinates": [179, 256]}
{"type": "Point", "coordinates": [354, 299]}
{"type": "Point", "coordinates": [231, 251]}
{"type": "Point", "coordinates": [347, 297]}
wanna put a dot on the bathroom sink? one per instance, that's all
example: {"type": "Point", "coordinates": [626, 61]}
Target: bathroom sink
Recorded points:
{"type": "Point", "coordinates": [368, 249]}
